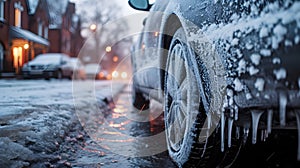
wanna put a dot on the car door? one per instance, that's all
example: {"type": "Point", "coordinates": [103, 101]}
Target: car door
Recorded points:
{"type": "Point", "coordinates": [147, 50]}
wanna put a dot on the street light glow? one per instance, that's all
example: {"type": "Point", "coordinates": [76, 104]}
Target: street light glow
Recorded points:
{"type": "Point", "coordinates": [108, 49]}
{"type": "Point", "coordinates": [115, 74]}
{"type": "Point", "coordinates": [93, 27]}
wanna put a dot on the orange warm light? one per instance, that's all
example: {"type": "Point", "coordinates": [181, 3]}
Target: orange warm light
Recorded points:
{"type": "Point", "coordinates": [26, 46]}
{"type": "Point", "coordinates": [143, 46]}
{"type": "Point", "coordinates": [101, 75]}
{"type": "Point", "coordinates": [115, 58]}
{"type": "Point", "coordinates": [18, 56]}
{"type": "Point", "coordinates": [109, 77]}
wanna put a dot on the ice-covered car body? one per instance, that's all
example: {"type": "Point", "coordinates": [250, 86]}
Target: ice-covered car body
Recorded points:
{"type": "Point", "coordinates": [247, 54]}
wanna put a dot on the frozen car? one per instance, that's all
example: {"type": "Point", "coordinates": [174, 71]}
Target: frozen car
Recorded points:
{"type": "Point", "coordinates": [224, 69]}
{"type": "Point", "coordinates": [49, 65]}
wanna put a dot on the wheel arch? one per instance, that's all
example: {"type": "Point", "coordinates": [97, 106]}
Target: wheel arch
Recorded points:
{"type": "Point", "coordinates": [171, 24]}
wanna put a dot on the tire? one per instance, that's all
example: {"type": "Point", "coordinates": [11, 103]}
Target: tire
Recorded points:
{"type": "Point", "coordinates": [184, 107]}
{"type": "Point", "coordinates": [71, 76]}
{"type": "Point", "coordinates": [139, 101]}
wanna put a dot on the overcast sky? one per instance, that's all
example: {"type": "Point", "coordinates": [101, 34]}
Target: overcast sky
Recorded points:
{"type": "Point", "coordinates": [126, 9]}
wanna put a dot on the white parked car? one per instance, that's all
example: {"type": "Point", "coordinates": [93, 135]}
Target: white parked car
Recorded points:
{"type": "Point", "coordinates": [49, 65]}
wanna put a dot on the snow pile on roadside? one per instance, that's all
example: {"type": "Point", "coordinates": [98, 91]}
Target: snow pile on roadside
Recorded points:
{"type": "Point", "coordinates": [35, 118]}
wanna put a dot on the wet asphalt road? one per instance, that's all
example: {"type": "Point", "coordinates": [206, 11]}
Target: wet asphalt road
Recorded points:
{"type": "Point", "coordinates": [125, 137]}
{"type": "Point", "coordinates": [114, 136]}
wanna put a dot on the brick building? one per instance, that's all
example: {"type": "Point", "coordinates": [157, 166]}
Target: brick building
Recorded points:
{"type": "Point", "coordinates": [39, 24]}
{"type": "Point", "coordinates": [31, 27]}
{"type": "Point", "coordinates": [17, 42]}
{"type": "Point", "coordinates": [64, 28]}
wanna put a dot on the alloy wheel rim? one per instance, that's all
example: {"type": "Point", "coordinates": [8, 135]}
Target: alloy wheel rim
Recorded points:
{"type": "Point", "coordinates": [178, 92]}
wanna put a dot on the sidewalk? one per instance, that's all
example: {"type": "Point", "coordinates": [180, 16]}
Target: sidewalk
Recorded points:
{"type": "Point", "coordinates": [5, 75]}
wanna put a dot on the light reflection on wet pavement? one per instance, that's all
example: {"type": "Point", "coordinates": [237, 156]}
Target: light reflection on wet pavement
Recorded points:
{"type": "Point", "coordinates": [126, 138]}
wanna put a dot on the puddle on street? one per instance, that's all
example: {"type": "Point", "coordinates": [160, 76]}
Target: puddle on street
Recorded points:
{"type": "Point", "coordinates": [127, 138]}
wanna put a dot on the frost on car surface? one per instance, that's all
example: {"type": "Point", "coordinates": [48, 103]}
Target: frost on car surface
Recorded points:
{"type": "Point", "coordinates": [256, 44]}
{"type": "Point", "coordinates": [262, 75]}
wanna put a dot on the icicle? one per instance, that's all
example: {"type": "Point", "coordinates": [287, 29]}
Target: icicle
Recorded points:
{"type": "Point", "coordinates": [255, 120]}
{"type": "Point", "coordinates": [237, 132]}
{"type": "Point", "coordinates": [246, 133]}
{"type": "Point", "coordinates": [208, 121]}
{"type": "Point", "coordinates": [231, 112]}
{"type": "Point", "coordinates": [269, 122]}
{"type": "Point", "coordinates": [299, 83]}
{"type": "Point", "coordinates": [264, 135]}
{"type": "Point", "coordinates": [236, 115]}
{"type": "Point", "coordinates": [222, 131]}
{"type": "Point", "coordinates": [298, 126]}
{"type": "Point", "coordinates": [230, 123]}
{"type": "Point", "coordinates": [282, 108]}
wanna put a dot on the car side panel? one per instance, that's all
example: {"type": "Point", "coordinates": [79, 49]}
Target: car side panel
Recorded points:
{"type": "Point", "coordinates": [237, 38]}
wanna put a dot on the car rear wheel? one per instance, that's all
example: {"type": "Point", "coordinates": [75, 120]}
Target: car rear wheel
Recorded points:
{"type": "Point", "coordinates": [185, 116]}
{"type": "Point", "coordinates": [139, 101]}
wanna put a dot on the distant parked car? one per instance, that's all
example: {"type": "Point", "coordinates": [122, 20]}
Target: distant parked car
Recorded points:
{"type": "Point", "coordinates": [92, 71]}
{"type": "Point", "coordinates": [78, 69]}
{"type": "Point", "coordinates": [49, 65]}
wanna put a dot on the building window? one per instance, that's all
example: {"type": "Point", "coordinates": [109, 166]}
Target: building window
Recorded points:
{"type": "Point", "coordinates": [18, 58]}
{"type": "Point", "coordinates": [40, 28]}
{"type": "Point", "coordinates": [17, 18]}
{"type": "Point", "coordinates": [2, 9]}
{"type": "Point", "coordinates": [18, 11]}
{"type": "Point", "coordinates": [46, 33]}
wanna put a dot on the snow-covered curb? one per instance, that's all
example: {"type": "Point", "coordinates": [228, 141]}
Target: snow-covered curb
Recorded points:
{"type": "Point", "coordinates": [36, 117]}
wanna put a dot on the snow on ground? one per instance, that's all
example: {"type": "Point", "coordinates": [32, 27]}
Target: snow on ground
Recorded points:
{"type": "Point", "coordinates": [36, 115]}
